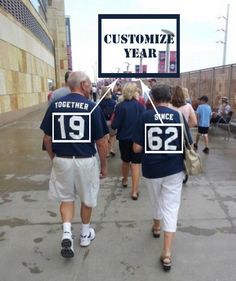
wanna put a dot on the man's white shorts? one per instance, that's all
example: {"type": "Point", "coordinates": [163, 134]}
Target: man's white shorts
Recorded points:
{"type": "Point", "coordinates": [74, 176]}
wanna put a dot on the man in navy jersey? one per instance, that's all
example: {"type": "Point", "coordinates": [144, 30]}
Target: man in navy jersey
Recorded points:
{"type": "Point", "coordinates": [72, 126]}
{"type": "Point", "coordinates": [163, 171]}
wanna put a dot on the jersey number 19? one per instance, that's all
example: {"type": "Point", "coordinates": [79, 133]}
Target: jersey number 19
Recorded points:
{"type": "Point", "coordinates": [76, 123]}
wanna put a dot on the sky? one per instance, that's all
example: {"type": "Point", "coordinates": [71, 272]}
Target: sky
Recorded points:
{"type": "Point", "coordinates": [199, 21]}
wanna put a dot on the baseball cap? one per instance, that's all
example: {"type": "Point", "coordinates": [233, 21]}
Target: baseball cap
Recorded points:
{"type": "Point", "coordinates": [204, 98]}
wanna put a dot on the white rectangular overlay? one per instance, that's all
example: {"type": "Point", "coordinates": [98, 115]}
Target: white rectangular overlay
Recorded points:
{"type": "Point", "coordinates": [128, 40]}
{"type": "Point", "coordinates": [82, 114]}
{"type": "Point", "coordinates": [162, 128]}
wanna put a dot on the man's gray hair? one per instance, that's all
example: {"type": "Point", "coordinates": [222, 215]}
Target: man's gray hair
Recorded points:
{"type": "Point", "coordinates": [76, 78]}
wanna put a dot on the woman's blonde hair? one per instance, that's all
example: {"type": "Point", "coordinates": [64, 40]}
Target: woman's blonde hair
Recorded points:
{"type": "Point", "coordinates": [186, 94]}
{"type": "Point", "coordinates": [129, 91]}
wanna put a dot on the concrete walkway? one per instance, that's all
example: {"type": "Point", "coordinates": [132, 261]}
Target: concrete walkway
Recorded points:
{"type": "Point", "coordinates": [30, 230]}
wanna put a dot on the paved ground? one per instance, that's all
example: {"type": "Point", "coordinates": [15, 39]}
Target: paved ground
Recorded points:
{"type": "Point", "coordinates": [30, 230]}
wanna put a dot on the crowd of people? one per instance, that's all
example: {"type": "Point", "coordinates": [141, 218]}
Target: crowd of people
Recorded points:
{"type": "Point", "coordinates": [122, 115]}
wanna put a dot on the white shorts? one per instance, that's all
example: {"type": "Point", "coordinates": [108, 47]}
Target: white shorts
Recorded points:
{"type": "Point", "coordinates": [74, 176]}
{"type": "Point", "coordinates": [165, 196]}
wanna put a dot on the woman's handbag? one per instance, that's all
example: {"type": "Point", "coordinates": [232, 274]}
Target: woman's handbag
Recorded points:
{"type": "Point", "coordinates": [192, 160]}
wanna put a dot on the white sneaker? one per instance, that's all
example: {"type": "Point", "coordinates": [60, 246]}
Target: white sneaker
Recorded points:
{"type": "Point", "coordinates": [86, 239]}
{"type": "Point", "coordinates": [67, 250]}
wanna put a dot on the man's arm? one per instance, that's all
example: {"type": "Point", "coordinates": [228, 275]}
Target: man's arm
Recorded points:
{"type": "Point", "coordinates": [102, 148]}
{"type": "Point", "coordinates": [47, 141]}
{"type": "Point", "coordinates": [227, 109]}
{"type": "Point", "coordinates": [220, 110]}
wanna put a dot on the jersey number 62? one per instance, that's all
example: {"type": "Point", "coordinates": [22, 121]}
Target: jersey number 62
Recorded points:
{"type": "Point", "coordinates": [163, 138]}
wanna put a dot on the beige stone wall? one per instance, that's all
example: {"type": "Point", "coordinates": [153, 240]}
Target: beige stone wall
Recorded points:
{"type": "Point", "coordinates": [17, 35]}
{"type": "Point", "coordinates": [25, 63]}
{"type": "Point", "coordinates": [23, 78]}
{"type": "Point", "coordinates": [57, 27]}
{"type": "Point", "coordinates": [25, 66]}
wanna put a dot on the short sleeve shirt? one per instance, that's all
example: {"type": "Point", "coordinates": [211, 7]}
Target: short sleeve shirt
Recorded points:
{"type": "Point", "coordinates": [161, 164]}
{"type": "Point", "coordinates": [59, 93]}
{"type": "Point", "coordinates": [126, 115]}
{"type": "Point", "coordinates": [74, 133]}
{"type": "Point", "coordinates": [204, 115]}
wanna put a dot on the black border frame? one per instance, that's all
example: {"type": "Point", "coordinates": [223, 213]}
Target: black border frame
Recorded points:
{"type": "Point", "coordinates": [139, 16]}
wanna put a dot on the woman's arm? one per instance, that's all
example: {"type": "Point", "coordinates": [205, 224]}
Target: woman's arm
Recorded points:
{"type": "Point", "coordinates": [192, 122]}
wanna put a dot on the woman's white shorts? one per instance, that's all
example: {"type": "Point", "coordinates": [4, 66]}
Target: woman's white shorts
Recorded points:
{"type": "Point", "coordinates": [165, 196]}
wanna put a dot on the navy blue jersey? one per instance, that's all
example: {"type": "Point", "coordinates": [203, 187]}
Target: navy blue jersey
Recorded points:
{"type": "Point", "coordinates": [74, 134]}
{"type": "Point", "coordinates": [107, 106]}
{"type": "Point", "coordinates": [167, 138]}
{"type": "Point", "coordinates": [114, 96]}
{"type": "Point", "coordinates": [126, 115]}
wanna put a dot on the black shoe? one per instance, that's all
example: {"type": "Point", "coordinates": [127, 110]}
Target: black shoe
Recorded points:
{"type": "Point", "coordinates": [67, 250]}
{"type": "Point", "coordinates": [206, 150]}
{"type": "Point", "coordinates": [156, 232]}
{"type": "Point", "coordinates": [135, 196]}
{"type": "Point", "coordinates": [195, 146]}
{"type": "Point", "coordinates": [166, 263]}
{"type": "Point", "coordinates": [185, 179]}
{"type": "Point", "coordinates": [124, 184]}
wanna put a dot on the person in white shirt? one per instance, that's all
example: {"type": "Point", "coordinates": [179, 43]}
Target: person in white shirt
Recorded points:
{"type": "Point", "coordinates": [223, 113]}
{"type": "Point", "coordinates": [61, 92]}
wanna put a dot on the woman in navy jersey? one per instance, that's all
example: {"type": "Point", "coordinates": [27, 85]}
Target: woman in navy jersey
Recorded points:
{"type": "Point", "coordinates": [126, 114]}
{"type": "Point", "coordinates": [107, 105]}
{"type": "Point", "coordinates": [162, 165]}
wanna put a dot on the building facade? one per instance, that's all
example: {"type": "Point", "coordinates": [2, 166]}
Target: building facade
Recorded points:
{"type": "Point", "coordinates": [68, 43]}
{"type": "Point", "coordinates": [33, 52]}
